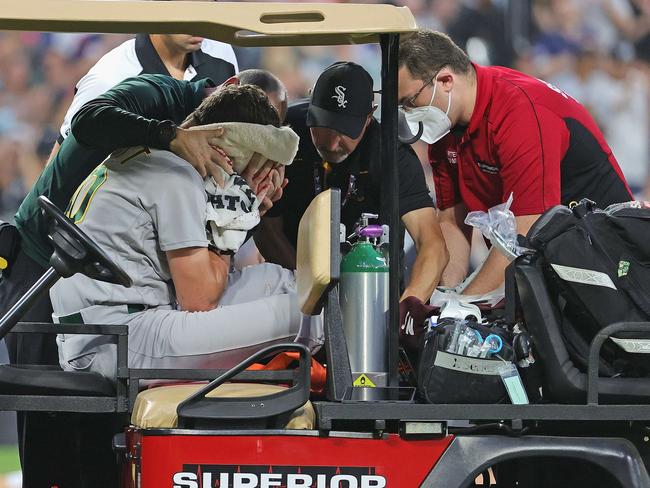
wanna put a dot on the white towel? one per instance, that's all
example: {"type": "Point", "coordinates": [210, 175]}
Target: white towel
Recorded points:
{"type": "Point", "coordinates": [241, 141]}
{"type": "Point", "coordinates": [234, 209]}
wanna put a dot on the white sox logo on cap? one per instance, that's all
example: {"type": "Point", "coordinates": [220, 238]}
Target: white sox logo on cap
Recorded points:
{"type": "Point", "coordinates": [340, 96]}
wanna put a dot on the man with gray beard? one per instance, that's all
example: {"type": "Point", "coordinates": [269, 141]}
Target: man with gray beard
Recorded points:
{"type": "Point", "coordinates": [339, 148]}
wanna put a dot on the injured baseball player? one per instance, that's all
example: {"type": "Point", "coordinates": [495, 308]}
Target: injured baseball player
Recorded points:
{"type": "Point", "coordinates": [172, 232]}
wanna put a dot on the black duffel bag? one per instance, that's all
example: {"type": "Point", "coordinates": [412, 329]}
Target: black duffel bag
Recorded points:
{"type": "Point", "coordinates": [597, 265]}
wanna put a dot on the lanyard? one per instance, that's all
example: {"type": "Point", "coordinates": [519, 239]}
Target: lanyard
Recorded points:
{"type": "Point", "coordinates": [320, 182]}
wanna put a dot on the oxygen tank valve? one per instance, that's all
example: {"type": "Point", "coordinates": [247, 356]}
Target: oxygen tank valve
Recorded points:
{"type": "Point", "coordinates": [365, 218]}
{"type": "Point", "coordinates": [368, 231]}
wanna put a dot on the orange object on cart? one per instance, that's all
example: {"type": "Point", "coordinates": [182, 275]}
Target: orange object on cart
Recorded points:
{"type": "Point", "coordinates": [284, 360]}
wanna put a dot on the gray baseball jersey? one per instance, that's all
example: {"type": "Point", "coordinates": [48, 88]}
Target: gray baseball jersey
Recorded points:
{"type": "Point", "coordinates": [136, 205]}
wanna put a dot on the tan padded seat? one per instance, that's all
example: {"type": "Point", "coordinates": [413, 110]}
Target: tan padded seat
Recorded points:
{"type": "Point", "coordinates": [313, 257]}
{"type": "Point", "coordinates": [156, 408]}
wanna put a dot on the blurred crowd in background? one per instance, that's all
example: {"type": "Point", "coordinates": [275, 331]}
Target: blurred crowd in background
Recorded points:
{"type": "Point", "coordinates": [597, 51]}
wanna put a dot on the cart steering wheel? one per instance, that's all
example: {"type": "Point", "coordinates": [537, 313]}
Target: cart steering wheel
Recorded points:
{"type": "Point", "coordinates": [75, 252]}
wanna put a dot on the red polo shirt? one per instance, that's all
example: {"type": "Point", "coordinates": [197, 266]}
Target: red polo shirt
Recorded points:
{"type": "Point", "coordinates": [529, 138]}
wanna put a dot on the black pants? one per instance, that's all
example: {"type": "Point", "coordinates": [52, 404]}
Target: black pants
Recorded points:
{"type": "Point", "coordinates": [56, 449]}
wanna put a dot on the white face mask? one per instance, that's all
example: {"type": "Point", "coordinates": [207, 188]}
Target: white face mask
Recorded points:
{"type": "Point", "coordinates": [436, 123]}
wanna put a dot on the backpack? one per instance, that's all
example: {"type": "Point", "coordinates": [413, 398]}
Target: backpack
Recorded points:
{"type": "Point", "coordinates": [597, 267]}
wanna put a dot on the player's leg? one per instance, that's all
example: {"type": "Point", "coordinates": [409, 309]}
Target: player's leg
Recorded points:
{"type": "Point", "coordinates": [219, 338]}
{"type": "Point", "coordinates": [270, 279]}
{"type": "Point", "coordinates": [255, 282]}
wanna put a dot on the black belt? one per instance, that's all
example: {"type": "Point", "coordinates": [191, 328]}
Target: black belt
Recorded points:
{"type": "Point", "coordinates": [76, 318]}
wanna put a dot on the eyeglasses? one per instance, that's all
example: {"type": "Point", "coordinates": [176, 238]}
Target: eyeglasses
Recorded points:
{"type": "Point", "coordinates": [409, 103]}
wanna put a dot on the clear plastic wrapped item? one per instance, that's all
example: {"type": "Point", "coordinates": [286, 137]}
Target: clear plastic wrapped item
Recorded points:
{"type": "Point", "coordinates": [499, 226]}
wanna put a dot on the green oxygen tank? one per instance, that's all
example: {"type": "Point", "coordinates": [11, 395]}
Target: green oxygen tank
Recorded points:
{"type": "Point", "coordinates": [364, 305]}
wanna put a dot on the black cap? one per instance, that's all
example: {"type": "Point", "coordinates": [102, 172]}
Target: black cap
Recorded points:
{"type": "Point", "coordinates": [342, 99]}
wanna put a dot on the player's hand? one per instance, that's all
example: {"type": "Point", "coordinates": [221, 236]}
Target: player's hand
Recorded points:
{"type": "Point", "coordinates": [258, 173]}
{"type": "Point", "coordinates": [278, 182]}
{"type": "Point", "coordinates": [270, 199]}
{"type": "Point", "coordinates": [198, 148]}
{"type": "Point", "coordinates": [413, 314]}
{"type": "Point", "coordinates": [279, 191]}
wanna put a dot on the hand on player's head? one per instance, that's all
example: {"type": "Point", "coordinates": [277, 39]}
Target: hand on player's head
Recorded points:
{"type": "Point", "coordinates": [198, 148]}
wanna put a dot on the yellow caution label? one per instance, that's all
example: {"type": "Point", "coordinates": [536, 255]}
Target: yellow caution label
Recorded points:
{"type": "Point", "coordinates": [364, 382]}
{"type": "Point", "coordinates": [3, 263]}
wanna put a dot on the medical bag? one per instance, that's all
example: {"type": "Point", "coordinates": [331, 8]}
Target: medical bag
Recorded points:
{"type": "Point", "coordinates": [597, 267]}
{"type": "Point", "coordinates": [462, 361]}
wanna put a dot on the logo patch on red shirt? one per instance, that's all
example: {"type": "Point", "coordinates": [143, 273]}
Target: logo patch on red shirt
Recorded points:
{"type": "Point", "coordinates": [452, 157]}
{"type": "Point", "coordinates": [487, 168]}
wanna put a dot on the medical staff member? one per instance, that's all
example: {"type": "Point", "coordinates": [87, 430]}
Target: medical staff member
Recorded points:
{"type": "Point", "coordinates": [339, 148]}
{"type": "Point", "coordinates": [493, 132]}
{"type": "Point", "coordinates": [181, 56]}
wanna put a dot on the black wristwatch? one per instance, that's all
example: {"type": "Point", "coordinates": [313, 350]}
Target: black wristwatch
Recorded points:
{"type": "Point", "coordinates": [166, 134]}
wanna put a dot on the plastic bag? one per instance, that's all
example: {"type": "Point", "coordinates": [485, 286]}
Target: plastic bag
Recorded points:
{"type": "Point", "coordinates": [499, 226]}
{"type": "Point", "coordinates": [442, 295]}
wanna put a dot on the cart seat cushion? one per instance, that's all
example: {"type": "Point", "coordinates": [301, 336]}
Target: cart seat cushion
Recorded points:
{"type": "Point", "coordinates": [156, 408]}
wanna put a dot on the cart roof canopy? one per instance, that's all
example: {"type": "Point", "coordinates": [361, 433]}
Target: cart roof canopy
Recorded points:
{"type": "Point", "coordinates": [243, 24]}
